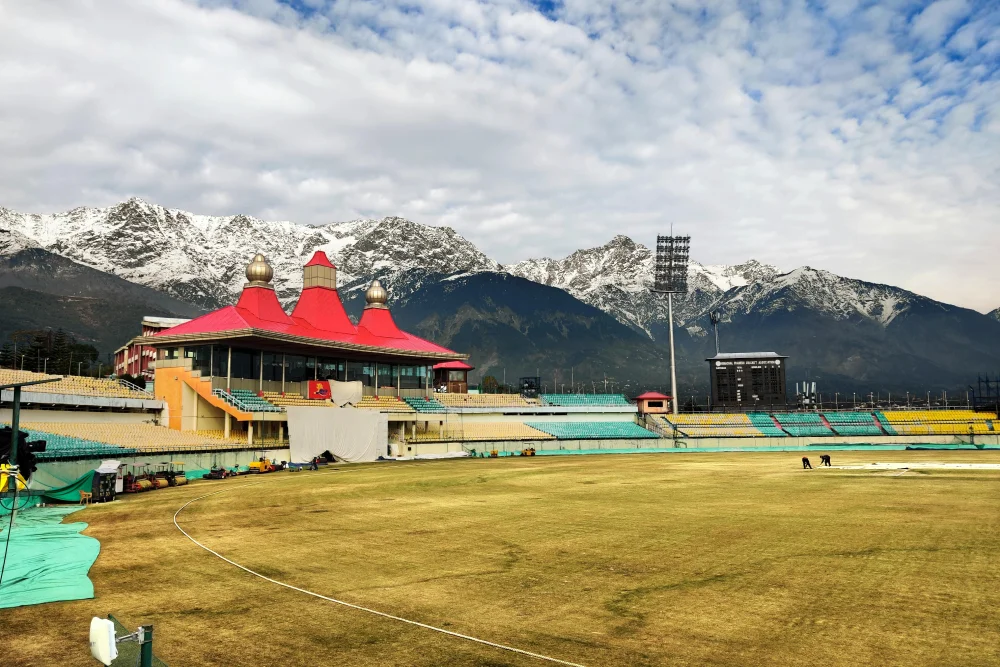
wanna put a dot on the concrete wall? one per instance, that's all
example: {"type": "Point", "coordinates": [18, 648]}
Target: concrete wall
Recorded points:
{"type": "Point", "coordinates": [693, 444]}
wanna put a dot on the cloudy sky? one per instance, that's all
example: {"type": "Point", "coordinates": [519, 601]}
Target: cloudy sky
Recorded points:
{"type": "Point", "coordinates": [863, 138]}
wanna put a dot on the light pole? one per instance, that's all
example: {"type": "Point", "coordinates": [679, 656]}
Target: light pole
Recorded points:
{"type": "Point", "coordinates": [855, 400]}
{"type": "Point", "coordinates": [46, 367]}
{"type": "Point", "coordinates": [836, 400]}
{"type": "Point", "coordinates": [928, 400]}
{"type": "Point", "coordinates": [22, 362]}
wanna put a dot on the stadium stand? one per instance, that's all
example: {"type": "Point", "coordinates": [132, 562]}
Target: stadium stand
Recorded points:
{"type": "Point", "coordinates": [802, 423]}
{"type": "Point", "coordinates": [425, 404]}
{"type": "Point", "coordinates": [938, 422]}
{"type": "Point", "coordinates": [483, 400]}
{"type": "Point", "coordinates": [284, 400]}
{"type": "Point", "coordinates": [58, 445]}
{"type": "Point", "coordinates": [763, 423]}
{"type": "Point", "coordinates": [853, 423]}
{"type": "Point", "coordinates": [711, 425]}
{"type": "Point", "coordinates": [126, 438]}
{"type": "Point", "coordinates": [247, 400]}
{"type": "Point", "coordinates": [74, 385]}
{"type": "Point", "coordinates": [482, 431]}
{"type": "Point", "coordinates": [384, 404]}
{"type": "Point", "coordinates": [587, 430]}
{"type": "Point", "coordinates": [584, 400]}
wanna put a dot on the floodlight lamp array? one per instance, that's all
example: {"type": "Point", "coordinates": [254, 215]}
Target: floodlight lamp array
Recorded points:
{"type": "Point", "coordinates": [671, 264]}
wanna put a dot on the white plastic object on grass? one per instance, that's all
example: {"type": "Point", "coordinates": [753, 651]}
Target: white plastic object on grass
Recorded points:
{"type": "Point", "coordinates": [102, 640]}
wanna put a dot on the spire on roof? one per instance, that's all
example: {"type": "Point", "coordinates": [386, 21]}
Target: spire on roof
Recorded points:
{"type": "Point", "coordinates": [376, 296]}
{"type": "Point", "coordinates": [259, 272]}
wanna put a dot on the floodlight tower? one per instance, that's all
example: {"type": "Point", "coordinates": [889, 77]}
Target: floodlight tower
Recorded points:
{"type": "Point", "coordinates": [671, 278]}
{"type": "Point", "coordinates": [715, 317]}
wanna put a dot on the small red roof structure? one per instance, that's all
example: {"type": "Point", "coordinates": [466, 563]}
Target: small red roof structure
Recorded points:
{"type": "Point", "coordinates": [453, 366]}
{"type": "Point", "coordinates": [654, 395]}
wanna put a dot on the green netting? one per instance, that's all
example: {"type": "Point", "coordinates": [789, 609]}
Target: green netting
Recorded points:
{"type": "Point", "coordinates": [47, 560]}
{"type": "Point", "coordinates": [128, 652]}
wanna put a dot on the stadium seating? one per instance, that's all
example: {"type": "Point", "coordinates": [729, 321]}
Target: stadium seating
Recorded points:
{"type": "Point", "coordinates": [763, 423]}
{"type": "Point", "coordinates": [59, 445]}
{"type": "Point", "coordinates": [939, 422]}
{"type": "Point", "coordinates": [482, 400]}
{"type": "Point", "coordinates": [803, 423]}
{"type": "Point", "coordinates": [127, 438]}
{"type": "Point", "coordinates": [588, 430]}
{"type": "Point", "coordinates": [584, 400]}
{"type": "Point", "coordinates": [481, 431]}
{"type": "Point", "coordinates": [284, 400]}
{"type": "Point", "coordinates": [384, 404]}
{"type": "Point", "coordinates": [422, 404]}
{"type": "Point", "coordinates": [248, 400]}
{"type": "Point", "coordinates": [73, 385]}
{"type": "Point", "coordinates": [711, 425]}
{"type": "Point", "coordinates": [853, 423]}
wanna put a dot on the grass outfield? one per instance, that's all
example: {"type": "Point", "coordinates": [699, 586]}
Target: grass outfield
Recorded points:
{"type": "Point", "coordinates": [603, 560]}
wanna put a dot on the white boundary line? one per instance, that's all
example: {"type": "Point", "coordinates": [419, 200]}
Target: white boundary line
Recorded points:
{"type": "Point", "coordinates": [458, 635]}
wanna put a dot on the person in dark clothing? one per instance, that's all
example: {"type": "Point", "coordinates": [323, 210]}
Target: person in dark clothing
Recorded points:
{"type": "Point", "coordinates": [806, 464]}
{"type": "Point", "coordinates": [824, 460]}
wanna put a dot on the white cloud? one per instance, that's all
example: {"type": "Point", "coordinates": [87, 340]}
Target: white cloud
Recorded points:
{"type": "Point", "coordinates": [851, 140]}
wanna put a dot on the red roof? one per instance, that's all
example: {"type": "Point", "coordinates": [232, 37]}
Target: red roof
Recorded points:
{"type": "Point", "coordinates": [453, 366]}
{"type": "Point", "coordinates": [319, 258]}
{"type": "Point", "coordinates": [321, 308]}
{"type": "Point", "coordinates": [319, 315]}
{"type": "Point", "coordinates": [654, 395]}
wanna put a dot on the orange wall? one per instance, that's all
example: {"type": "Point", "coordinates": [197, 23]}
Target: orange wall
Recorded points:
{"type": "Point", "coordinates": [167, 388]}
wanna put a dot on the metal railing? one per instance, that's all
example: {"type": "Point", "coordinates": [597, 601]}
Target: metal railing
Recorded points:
{"type": "Point", "coordinates": [240, 405]}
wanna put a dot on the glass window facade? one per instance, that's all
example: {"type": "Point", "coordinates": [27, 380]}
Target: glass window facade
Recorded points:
{"type": "Point", "coordinates": [295, 368]}
{"type": "Point", "coordinates": [412, 377]}
{"type": "Point", "coordinates": [272, 367]}
{"type": "Point", "coordinates": [361, 370]}
{"type": "Point", "coordinates": [201, 358]}
{"type": "Point", "coordinates": [246, 364]}
{"type": "Point", "coordinates": [220, 360]}
{"type": "Point", "coordinates": [330, 369]}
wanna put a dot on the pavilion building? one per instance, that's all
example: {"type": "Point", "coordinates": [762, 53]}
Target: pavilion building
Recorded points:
{"type": "Point", "coordinates": [254, 347]}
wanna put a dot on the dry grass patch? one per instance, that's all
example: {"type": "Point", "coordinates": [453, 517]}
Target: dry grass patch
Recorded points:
{"type": "Point", "coordinates": [605, 560]}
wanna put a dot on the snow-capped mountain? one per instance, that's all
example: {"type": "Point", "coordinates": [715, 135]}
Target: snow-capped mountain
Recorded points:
{"type": "Point", "coordinates": [201, 259]}
{"type": "Point", "coordinates": [616, 278]}
{"type": "Point", "coordinates": [822, 291]}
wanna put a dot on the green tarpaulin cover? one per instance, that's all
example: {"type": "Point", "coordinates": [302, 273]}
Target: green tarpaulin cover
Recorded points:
{"type": "Point", "coordinates": [47, 561]}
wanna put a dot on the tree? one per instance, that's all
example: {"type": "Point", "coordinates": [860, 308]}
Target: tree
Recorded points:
{"type": "Point", "coordinates": [7, 356]}
{"type": "Point", "coordinates": [489, 385]}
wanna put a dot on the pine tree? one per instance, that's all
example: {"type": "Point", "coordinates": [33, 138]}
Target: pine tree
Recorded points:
{"type": "Point", "coordinates": [59, 354]}
{"type": "Point", "coordinates": [7, 356]}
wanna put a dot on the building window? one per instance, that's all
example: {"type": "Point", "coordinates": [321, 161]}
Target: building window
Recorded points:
{"type": "Point", "coordinates": [362, 371]}
{"type": "Point", "coordinates": [200, 358]}
{"type": "Point", "coordinates": [387, 375]}
{"type": "Point", "coordinates": [330, 369]}
{"type": "Point", "coordinates": [412, 377]}
{"type": "Point", "coordinates": [272, 367]}
{"type": "Point", "coordinates": [295, 368]}
{"type": "Point", "coordinates": [246, 364]}
{"type": "Point", "coordinates": [168, 353]}
{"type": "Point", "coordinates": [220, 361]}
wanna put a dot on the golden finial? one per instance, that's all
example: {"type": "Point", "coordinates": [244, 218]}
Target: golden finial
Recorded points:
{"type": "Point", "coordinates": [259, 272]}
{"type": "Point", "coordinates": [376, 296]}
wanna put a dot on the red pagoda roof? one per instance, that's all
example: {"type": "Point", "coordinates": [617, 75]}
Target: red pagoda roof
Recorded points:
{"type": "Point", "coordinates": [318, 319]}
